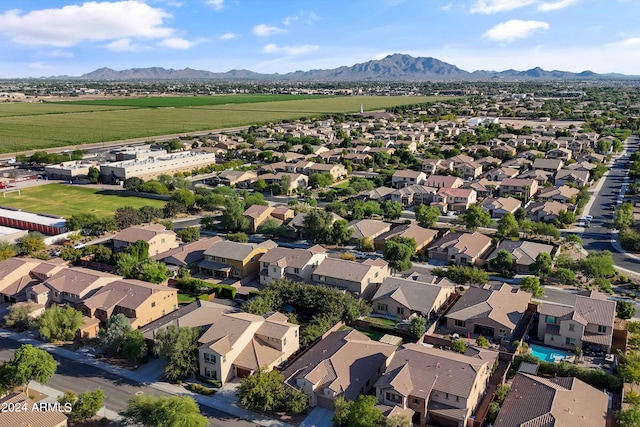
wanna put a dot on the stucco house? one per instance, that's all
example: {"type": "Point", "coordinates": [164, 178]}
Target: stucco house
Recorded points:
{"type": "Point", "coordinates": [296, 264]}
{"type": "Point", "coordinates": [500, 206]}
{"type": "Point", "coordinates": [404, 178]}
{"type": "Point", "coordinates": [158, 238]}
{"type": "Point", "coordinates": [461, 248]}
{"type": "Point", "coordinates": [360, 278]}
{"type": "Point", "coordinates": [227, 259]}
{"type": "Point", "coordinates": [401, 298]}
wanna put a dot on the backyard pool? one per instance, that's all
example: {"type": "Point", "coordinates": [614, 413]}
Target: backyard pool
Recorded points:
{"type": "Point", "coordinates": [547, 354]}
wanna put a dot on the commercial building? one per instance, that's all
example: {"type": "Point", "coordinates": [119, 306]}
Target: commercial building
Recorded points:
{"type": "Point", "coordinates": [46, 224]}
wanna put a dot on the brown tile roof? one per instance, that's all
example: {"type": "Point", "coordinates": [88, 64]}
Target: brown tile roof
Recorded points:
{"type": "Point", "coordinates": [124, 293]}
{"type": "Point", "coordinates": [255, 211]}
{"type": "Point", "coordinates": [368, 227]}
{"type": "Point", "coordinates": [523, 252]}
{"type": "Point", "coordinates": [28, 418]}
{"type": "Point", "coordinates": [188, 253]}
{"type": "Point", "coordinates": [235, 250]}
{"type": "Point", "coordinates": [75, 280]}
{"type": "Point", "coordinates": [411, 231]}
{"type": "Point", "coordinates": [285, 257]}
{"type": "Point", "coordinates": [350, 271]}
{"type": "Point", "coordinates": [556, 402]}
{"type": "Point", "coordinates": [141, 232]}
{"type": "Point", "coordinates": [471, 244]}
{"type": "Point", "coordinates": [343, 361]}
{"type": "Point", "coordinates": [416, 296]}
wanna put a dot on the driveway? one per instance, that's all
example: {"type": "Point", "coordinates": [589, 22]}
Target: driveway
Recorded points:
{"type": "Point", "coordinates": [319, 417]}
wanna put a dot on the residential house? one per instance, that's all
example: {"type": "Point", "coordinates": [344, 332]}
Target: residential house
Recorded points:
{"type": "Point", "coordinates": [518, 187]}
{"type": "Point", "coordinates": [433, 166]}
{"type": "Point", "coordinates": [71, 285]}
{"type": "Point", "coordinates": [422, 236]}
{"type": "Point", "coordinates": [461, 248]}
{"type": "Point", "coordinates": [282, 213]}
{"type": "Point", "coordinates": [503, 151]}
{"type": "Point", "coordinates": [562, 194]}
{"type": "Point", "coordinates": [344, 363]}
{"type": "Point", "coordinates": [483, 187]}
{"type": "Point", "coordinates": [500, 206]}
{"type": "Point", "coordinates": [559, 401]}
{"type": "Point", "coordinates": [296, 180]}
{"type": "Point", "coordinates": [560, 153]}
{"type": "Point", "coordinates": [402, 298]}
{"type": "Point", "coordinates": [439, 181]}
{"type": "Point", "coordinates": [142, 302]}
{"type": "Point", "coordinates": [256, 215]}
{"type": "Point", "coordinates": [297, 223]}
{"type": "Point", "coordinates": [469, 170]}
{"type": "Point", "coordinates": [434, 386]}
{"type": "Point", "coordinates": [586, 324]}
{"type": "Point", "coordinates": [454, 199]}
{"type": "Point", "coordinates": [501, 173]}
{"type": "Point", "coordinates": [494, 314]}
{"type": "Point", "coordinates": [18, 274]}
{"type": "Point", "coordinates": [239, 344]}
{"type": "Point", "coordinates": [576, 177]}
{"type": "Point", "coordinates": [524, 253]}
{"type": "Point", "coordinates": [187, 255]}
{"type": "Point", "coordinates": [337, 171]}
{"type": "Point", "coordinates": [360, 278]}
{"type": "Point", "coordinates": [158, 238]}
{"type": "Point", "coordinates": [549, 165]}
{"type": "Point", "coordinates": [17, 410]}
{"type": "Point", "coordinates": [546, 211]}
{"type": "Point", "coordinates": [228, 259]}
{"type": "Point", "coordinates": [539, 175]}
{"type": "Point", "coordinates": [368, 228]}
{"type": "Point", "coordinates": [406, 177]}
{"type": "Point", "coordinates": [414, 194]}
{"type": "Point", "coordinates": [241, 179]}
{"type": "Point", "coordinates": [379, 194]}
{"type": "Point", "coordinates": [296, 264]}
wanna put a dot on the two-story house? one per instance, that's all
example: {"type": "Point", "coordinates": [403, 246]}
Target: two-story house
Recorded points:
{"type": "Point", "coordinates": [71, 285]}
{"type": "Point", "coordinates": [576, 177]}
{"type": "Point", "coordinates": [256, 215]}
{"type": "Point", "coordinates": [549, 165]}
{"type": "Point", "coordinates": [233, 178]}
{"type": "Point", "coordinates": [360, 278]}
{"type": "Point", "coordinates": [562, 194]}
{"type": "Point", "coordinates": [461, 248]}
{"type": "Point", "coordinates": [402, 298]}
{"type": "Point", "coordinates": [454, 199]}
{"type": "Point", "coordinates": [500, 206]}
{"type": "Point", "coordinates": [404, 178]}
{"type": "Point", "coordinates": [227, 259]}
{"type": "Point", "coordinates": [239, 344]}
{"type": "Point", "coordinates": [439, 181]}
{"type": "Point", "coordinates": [469, 170]}
{"type": "Point", "coordinates": [422, 236]}
{"type": "Point", "coordinates": [296, 264]}
{"type": "Point", "coordinates": [437, 387]}
{"type": "Point", "coordinates": [586, 324]}
{"type": "Point", "coordinates": [518, 187]}
{"type": "Point", "coordinates": [413, 194]}
{"type": "Point", "coordinates": [337, 171]}
{"type": "Point", "coordinates": [158, 238]}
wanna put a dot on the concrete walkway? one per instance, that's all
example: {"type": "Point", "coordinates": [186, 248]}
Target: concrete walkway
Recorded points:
{"type": "Point", "coordinates": [224, 400]}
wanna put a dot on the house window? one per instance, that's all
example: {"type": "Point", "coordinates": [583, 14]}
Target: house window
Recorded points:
{"type": "Point", "coordinates": [460, 323]}
{"type": "Point", "coordinates": [570, 341]}
{"type": "Point", "coordinates": [210, 373]}
{"type": "Point", "coordinates": [274, 269]}
{"type": "Point", "coordinates": [375, 275]}
{"type": "Point", "coordinates": [392, 397]}
{"type": "Point", "coordinates": [502, 332]}
{"type": "Point", "coordinates": [284, 342]}
{"type": "Point", "coordinates": [551, 320]}
{"type": "Point", "coordinates": [457, 398]}
{"type": "Point", "coordinates": [210, 358]}
{"type": "Point", "coordinates": [446, 396]}
{"type": "Point", "coordinates": [416, 400]}
{"type": "Point", "coordinates": [602, 329]}
{"type": "Point", "coordinates": [383, 307]}
{"type": "Point", "coordinates": [296, 270]}
{"type": "Point", "coordinates": [401, 310]}
{"type": "Point", "coordinates": [296, 333]}
{"type": "Point", "coordinates": [224, 358]}
{"type": "Point", "coordinates": [153, 304]}
{"type": "Point", "coordinates": [572, 327]}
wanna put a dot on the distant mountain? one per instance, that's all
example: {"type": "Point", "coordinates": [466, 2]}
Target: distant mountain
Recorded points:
{"type": "Point", "coordinates": [396, 67]}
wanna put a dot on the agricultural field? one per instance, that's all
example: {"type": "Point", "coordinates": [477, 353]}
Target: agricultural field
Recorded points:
{"type": "Point", "coordinates": [48, 125]}
{"type": "Point", "coordinates": [66, 200]}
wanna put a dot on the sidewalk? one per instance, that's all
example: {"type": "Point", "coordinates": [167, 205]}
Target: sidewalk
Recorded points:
{"type": "Point", "coordinates": [224, 400]}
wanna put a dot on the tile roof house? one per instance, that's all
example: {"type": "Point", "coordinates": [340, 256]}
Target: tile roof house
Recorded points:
{"type": "Point", "coordinates": [422, 236]}
{"type": "Point", "coordinates": [518, 187]}
{"type": "Point", "coordinates": [158, 238]}
{"type": "Point", "coordinates": [344, 363]}
{"type": "Point", "coordinates": [461, 248]}
{"type": "Point", "coordinates": [560, 153]}
{"type": "Point", "coordinates": [295, 264]}
{"type": "Point", "coordinates": [404, 178]}
{"type": "Point", "coordinates": [233, 178]}
{"type": "Point", "coordinates": [337, 171]}
{"type": "Point", "coordinates": [413, 194]}
{"type": "Point", "coordinates": [239, 344]}
{"type": "Point", "coordinates": [549, 165]}
{"type": "Point", "coordinates": [539, 175]}
{"type": "Point", "coordinates": [562, 194]}
{"type": "Point", "coordinates": [17, 275]}
{"type": "Point", "coordinates": [524, 253]}
{"type": "Point", "coordinates": [186, 255]}
{"type": "Point", "coordinates": [28, 417]}
{"type": "Point", "coordinates": [401, 298]}
{"type": "Point", "coordinates": [432, 166]}
{"type": "Point", "coordinates": [589, 323]}
{"type": "Point", "coordinates": [257, 214]}
{"type": "Point", "coordinates": [296, 180]}
{"type": "Point", "coordinates": [360, 278]}
{"type": "Point", "coordinates": [74, 284]}
{"type": "Point", "coordinates": [491, 313]}
{"type": "Point", "coordinates": [439, 181]}
{"type": "Point", "coordinates": [469, 170]}
{"type": "Point", "coordinates": [379, 194]}
{"type": "Point", "coordinates": [439, 386]}
{"type": "Point", "coordinates": [499, 206]}
{"type": "Point", "coordinates": [232, 259]}
{"type": "Point", "coordinates": [501, 173]}
{"type": "Point", "coordinates": [454, 199]}
{"type": "Point", "coordinates": [141, 302]}
{"type": "Point", "coordinates": [553, 402]}
{"type": "Point", "coordinates": [577, 177]}
{"type": "Point", "coordinates": [297, 222]}
{"type": "Point", "coordinates": [546, 211]}
{"type": "Point", "coordinates": [368, 228]}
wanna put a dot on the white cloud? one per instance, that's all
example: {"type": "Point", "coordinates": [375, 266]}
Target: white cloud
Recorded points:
{"type": "Point", "coordinates": [90, 21]}
{"type": "Point", "coordinates": [39, 66]}
{"type": "Point", "coordinates": [290, 50]}
{"type": "Point", "coordinates": [124, 45]}
{"type": "Point", "coordinates": [493, 6]}
{"type": "Point", "coordinates": [290, 20]}
{"type": "Point", "coordinates": [305, 17]}
{"type": "Point", "coordinates": [633, 41]}
{"type": "Point", "coordinates": [57, 53]}
{"type": "Point", "coordinates": [514, 29]}
{"type": "Point", "coordinates": [176, 43]}
{"type": "Point", "coordinates": [547, 7]}
{"type": "Point", "coordinates": [229, 36]}
{"type": "Point", "coordinates": [447, 7]}
{"type": "Point", "coordinates": [264, 30]}
{"type": "Point", "coordinates": [216, 4]}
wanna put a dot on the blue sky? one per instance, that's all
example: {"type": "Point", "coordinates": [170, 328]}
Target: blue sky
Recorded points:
{"type": "Point", "coordinates": [55, 37]}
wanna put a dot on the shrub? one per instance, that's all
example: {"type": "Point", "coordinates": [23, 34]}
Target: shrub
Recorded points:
{"type": "Point", "coordinates": [459, 346]}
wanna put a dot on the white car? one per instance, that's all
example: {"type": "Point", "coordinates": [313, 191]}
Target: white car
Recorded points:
{"type": "Point", "coordinates": [588, 218]}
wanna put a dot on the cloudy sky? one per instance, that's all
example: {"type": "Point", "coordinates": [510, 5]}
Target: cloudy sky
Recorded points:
{"type": "Point", "coordinates": [56, 37]}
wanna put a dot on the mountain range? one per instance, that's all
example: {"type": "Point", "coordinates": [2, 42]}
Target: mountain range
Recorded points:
{"type": "Point", "coordinates": [396, 67]}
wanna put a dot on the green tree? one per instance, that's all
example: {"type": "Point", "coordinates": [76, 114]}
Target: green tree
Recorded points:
{"type": "Point", "coordinates": [232, 217]}
{"type": "Point", "coordinates": [398, 255]}
{"type": "Point", "coordinates": [59, 324]}
{"type": "Point", "coordinates": [427, 215]}
{"type": "Point", "coordinates": [629, 368]}
{"type": "Point", "coordinates": [391, 210]}
{"type": "Point", "coordinates": [149, 213]}
{"type": "Point", "coordinates": [19, 317]}
{"type": "Point", "coordinates": [7, 250]}
{"type": "Point", "coordinates": [265, 391]}
{"type": "Point", "coordinates": [475, 217]}
{"type": "Point", "coordinates": [565, 275]}
{"type": "Point", "coordinates": [532, 285]}
{"type": "Point", "coordinates": [317, 225]}
{"type": "Point", "coordinates": [260, 185]}
{"type": "Point", "coordinates": [178, 346]}
{"type": "Point", "coordinates": [566, 217]}
{"type": "Point", "coordinates": [127, 265]}
{"type": "Point", "coordinates": [270, 228]}
{"type": "Point", "coordinates": [573, 239]}
{"type": "Point", "coordinates": [629, 417]}
{"type": "Point", "coordinates": [502, 263]}
{"type": "Point", "coordinates": [285, 183]}
{"type": "Point", "coordinates": [625, 310]}
{"type": "Point", "coordinates": [87, 405]}
{"type": "Point", "coordinates": [508, 226]}
{"type": "Point", "coordinates": [94, 175]}
{"type": "Point", "coordinates": [240, 237]}
{"type": "Point", "coordinates": [361, 412]}
{"type": "Point", "coordinates": [598, 264]}
{"type": "Point", "coordinates": [398, 420]}
{"type": "Point", "coordinates": [459, 346]}
{"type": "Point", "coordinates": [127, 216]}
{"type": "Point", "coordinates": [189, 234]}
{"type": "Point", "coordinates": [29, 363]}
{"type": "Point", "coordinates": [542, 265]}
{"type": "Point", "coordinates": [153, 271]}
{"type": "Point", "coordinates": [111, 338]}
{"type": "Point", "coordinates": [482, 342]}
{"type": "Point", "coordinates": [623, 218]}
{"type": "Point", "coordinates": [134, 345]}
{"type": "Point", "coordinates": [31, 243]}
{"type": "Point", "coordinates": [169, 411]}
{"type": "Point", "coordinates": [463, 275]}
{"type": "Point", "coordinates": [318, 180]}
{"type": "Point", "coordinates": [184, 197]}
{"type": "Point", "coordinates": [418, 326]}
{"type": "Point", "coordinates": [340, 232]}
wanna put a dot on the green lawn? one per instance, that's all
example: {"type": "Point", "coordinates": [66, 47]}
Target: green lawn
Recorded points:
{"type": "Point", "coordinates": [343, 184]}
{"type": "Point", "coordinates": [185, 299]}
{"type": "Point", "coordinates": [66, 200]}
{"type": "Point", "coordinates": [380, 321]}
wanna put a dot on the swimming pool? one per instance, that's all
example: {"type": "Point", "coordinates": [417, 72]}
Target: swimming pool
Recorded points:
{"type": "Point", "coordinates": [547, 354]}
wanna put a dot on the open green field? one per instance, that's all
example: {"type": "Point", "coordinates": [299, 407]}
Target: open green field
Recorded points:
{"type": "Point", "coordinates": [66, 200]}
{"type": "Point", "coordinates": [79, 123]}
{"type": "Point", "coordinates": [193, 101]}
